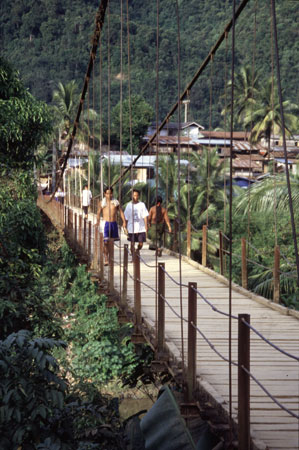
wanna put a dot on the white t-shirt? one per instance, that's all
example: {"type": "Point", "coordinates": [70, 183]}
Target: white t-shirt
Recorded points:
{"type": "Point", "coordinates": [139, 212]}
{"type": "Point", "coordinates": [86, 197]}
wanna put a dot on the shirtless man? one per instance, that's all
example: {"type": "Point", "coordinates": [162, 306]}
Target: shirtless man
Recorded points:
{"type": "Point", "coordinates": [157, 219]}
{"type": "Point", "coordinates": [109, 207]}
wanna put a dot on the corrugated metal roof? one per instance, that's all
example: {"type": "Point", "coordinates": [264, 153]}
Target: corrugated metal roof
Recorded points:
{"type": "Point", "coordinates": [253, 157]}
{"type": "Point", "coordinates": [290, 161]}
{"type": "Point", "coordinates": [173, 140]}
{"type": "Point", "coordinates": [226, 134]}
{"type": "Point", "coordinates": [246, 164]}
{"type": "Point", "coordinates": [291, 154]}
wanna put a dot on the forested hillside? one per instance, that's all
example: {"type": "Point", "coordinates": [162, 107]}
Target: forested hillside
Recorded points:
{"type": "Point", "coordinates": [49, 41]}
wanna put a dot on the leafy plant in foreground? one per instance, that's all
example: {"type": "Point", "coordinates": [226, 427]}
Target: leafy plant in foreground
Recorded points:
{"type": "Point", "coordinates": [30, 389]}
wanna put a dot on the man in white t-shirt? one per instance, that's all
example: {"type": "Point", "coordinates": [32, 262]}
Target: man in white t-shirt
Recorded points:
{"type": "Point", "coordinates": [136, 221]}
{"type": "Point", "coordinates": [86, 198]}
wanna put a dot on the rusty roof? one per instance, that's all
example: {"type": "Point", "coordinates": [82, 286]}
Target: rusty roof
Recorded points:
{"type": "Point", "coordinates": [226, 134]}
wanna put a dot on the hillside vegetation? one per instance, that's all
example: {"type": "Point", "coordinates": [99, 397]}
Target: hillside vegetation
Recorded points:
{"type": "Point", "coordinates": [49, 41]}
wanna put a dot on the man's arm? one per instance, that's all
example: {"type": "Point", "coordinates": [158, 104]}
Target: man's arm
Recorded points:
{"type": "Point", "coordinates": [126, 217]}
{"type": "Point", "coordinates": [166, 218]}
{"type": "Point", "coordinates": [123, 218]}
{"type": "Point", "coordinates": [146, 223]}
{"type": "Point", "coordinates": [145, 217]}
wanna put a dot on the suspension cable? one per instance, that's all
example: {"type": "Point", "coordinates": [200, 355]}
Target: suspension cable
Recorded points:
{"type": "Point", "coordinates": [100, 16]}
{"type": "Point", "coordinates": [109, 100]}
{"type": "Point", "coordinates": [179, 180]}
{"type": "Point", "coordinates": [284, 138]}
{"type": "Point", "coordinates": [272, 106]}
{"type": "Point", "coordinates": [230, 213]}
{"type": "Point", "coordinates": [157, 154]}
{"type": "Point", "coordinates": [120, 124]}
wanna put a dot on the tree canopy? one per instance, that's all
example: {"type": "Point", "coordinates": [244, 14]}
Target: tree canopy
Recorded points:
{"type": "Point", "coordinates": [24, 120]}
{"type": "Point", "coordinates": [50, 42]}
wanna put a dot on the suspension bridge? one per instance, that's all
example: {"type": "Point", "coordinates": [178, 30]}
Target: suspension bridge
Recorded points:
{"type": "Point", "coordinates": [234, 352]}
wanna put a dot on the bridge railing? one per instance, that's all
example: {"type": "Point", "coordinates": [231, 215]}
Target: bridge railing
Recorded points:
{"type": "Point", "coordinates": [217, 256]}
{"type": "Point", "coordinates": [90, 241]}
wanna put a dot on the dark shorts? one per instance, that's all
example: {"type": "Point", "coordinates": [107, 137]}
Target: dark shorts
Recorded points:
{"type": "Point", "coordinates": [137, 237]}
{"type": "Point", "coordinates": [111, 231]}
{"type": "Point", "coordinates": [85, 209]}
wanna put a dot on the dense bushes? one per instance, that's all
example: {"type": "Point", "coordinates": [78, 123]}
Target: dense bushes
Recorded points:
{"type": "Point", "coordinates": [39, 280]}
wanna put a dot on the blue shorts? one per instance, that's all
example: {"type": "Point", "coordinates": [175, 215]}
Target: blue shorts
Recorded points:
{"type": "Point", "coordinates": [111, 231]}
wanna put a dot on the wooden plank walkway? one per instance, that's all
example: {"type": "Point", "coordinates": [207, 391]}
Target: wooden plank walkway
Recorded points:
{"type": "Point", "coordinates": [271, 427]}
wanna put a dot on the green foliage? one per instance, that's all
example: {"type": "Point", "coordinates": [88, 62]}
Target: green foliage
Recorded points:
{"type": "Point", "coordinates": [101, 348]}
{"type": "Point", "coordinates": [22, 252]}
{"type": "Point", "coordinates": [24, 120]}
{"type": "Point", "coordinates": [30, 388]}
{"type": "Point", "coordinates": [254, 212]}
{"type": "Point", "coordinates": [55, 38]}
{"type": "Point", "coordinates": [137, 114]}
{"type": "Point", "coordinates": [263, 113]}
{"type": "Point", "coordinates": [38, 410]}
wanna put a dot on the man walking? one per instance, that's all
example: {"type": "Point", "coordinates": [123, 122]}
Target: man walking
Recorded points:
{"type": "Point", "coordinates": [86, 198]}
{"type": "Point", "coordinates": [109, 207]}
{"type": "Point", "coordinates": [136, 221]}
{"type": "Point", "coordinates": [157, 220]}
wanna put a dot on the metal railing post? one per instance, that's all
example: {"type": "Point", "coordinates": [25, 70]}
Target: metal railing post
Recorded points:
{"type": "Point", "coordinates": [276, 275]}
{"type": "Point", "coordinates": [221, 252]}
{"type": "Point", "coordinates": [192, 320]}
{"type": "Point", "coordinates": [161, 308]}
{"type": "Point", "coordinates": [137, 288]}
{"type": "Point", "coordinates": [244, 264]}
{"type": "Point", "coordinates": [189, 238]}
{"type": "Point", "coordinates": [204, 246]}
{"type": "Point", "coordinates": [84, 234]}
{"type": "Point", "coordinates": [101, 256]}
{"type": "Point", "coordinates": [68, 219]}
{"type": "Point", "coordinates": [75, 228]}
{"type": "Point", "coordinates": [61, 217]}
{"type": "Point", "coordinates": [125, 273]}
{"type": "Point", "coordinates": [111, 264]}
{"type": "Point", "coordinates": [243, 382]}
{"type": "Point", "coordinates": [89, 240]}
{"type": "Point", "coordinates": [80, 230]}
{"type": "Point", "coordinates": [71, 225]}
{"type": "Point", "coordinates": [96, 248]}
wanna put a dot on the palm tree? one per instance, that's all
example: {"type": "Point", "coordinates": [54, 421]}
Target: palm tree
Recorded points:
{"type": "Point", "coordinates": [168, 182]}
{"type": "Point", "coordinates": [246, 88]}
{"type": "Point", "coordinates": [66, 99]}
{"type": "Point", "coordinates": [266, 116]}
{"type": "Point", "coordinates": [263, 195]}
{"type": "Point", "coordinates": [267, 196]}
{"type": "Point", "coordinates": [209, 193]}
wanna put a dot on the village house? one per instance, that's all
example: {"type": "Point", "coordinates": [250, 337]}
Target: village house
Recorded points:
{"type": "Point", "coordinates": [248, 160]}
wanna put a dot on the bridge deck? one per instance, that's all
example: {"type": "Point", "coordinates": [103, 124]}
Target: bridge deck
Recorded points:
{"type": "Point", "coordinates": [271, 427]}
{"type": "Point", "coordinates": [278, 373]}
